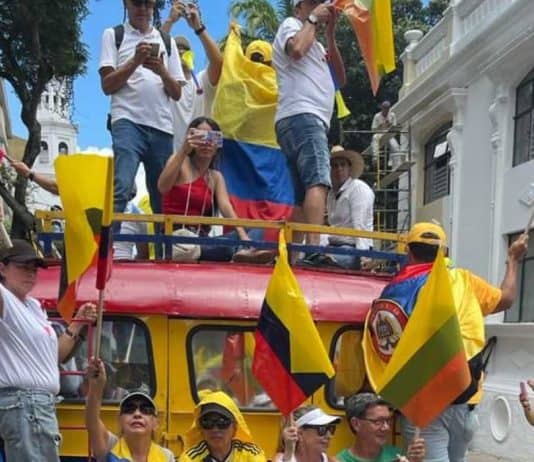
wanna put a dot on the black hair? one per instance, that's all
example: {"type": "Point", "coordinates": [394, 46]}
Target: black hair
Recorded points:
{"type": "Point", "coordinates": [423, 253]}
{"type": "Point", "coordinates": [214, 126]}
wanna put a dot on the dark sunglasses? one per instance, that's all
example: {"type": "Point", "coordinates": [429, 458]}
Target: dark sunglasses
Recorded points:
{"type": "Point", "coordinates": [209, 423]}
{"type": "Point", "coordinates": [322, 430]}
{"type": "Point", "coordinates": [144, 408]}
{"type": "Point", "coordinates": [147, 3]}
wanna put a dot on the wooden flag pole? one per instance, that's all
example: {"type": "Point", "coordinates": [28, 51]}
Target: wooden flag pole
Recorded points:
{"type": "Point", "coordinates": [529, 224]}
{"type": "Point", "coordinates": [292, 444]}
{"type": "Point", "coordinates": [99, 322]}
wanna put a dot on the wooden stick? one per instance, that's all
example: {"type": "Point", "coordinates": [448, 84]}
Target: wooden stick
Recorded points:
{"type": "Point", "coordinates": [292, 444]}
{"type": "Point", "coordinates": [529, 224]}
{"type": "Point", "coordinates": [99, 322]}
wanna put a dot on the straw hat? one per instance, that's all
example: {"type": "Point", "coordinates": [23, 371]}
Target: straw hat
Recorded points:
{"type": "Point", "coordinates": [355, 159]}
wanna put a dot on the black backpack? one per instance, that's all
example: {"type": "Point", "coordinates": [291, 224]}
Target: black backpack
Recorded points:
{"type": "Point", "coordinates": [477, 366]}
{"type": "Point", "coordinates": [119, 36]}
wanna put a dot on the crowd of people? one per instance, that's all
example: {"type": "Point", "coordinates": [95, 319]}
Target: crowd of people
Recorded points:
{"type": "Point", "coordinates": [161, 117]}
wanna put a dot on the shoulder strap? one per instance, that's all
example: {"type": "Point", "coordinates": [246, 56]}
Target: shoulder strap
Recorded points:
{"type": "Point", "coordinates": [487, 351]}
{"type": "Point", "coordinates": [166, 40]}
{"type": "Point", "coordinates": [119, 35]}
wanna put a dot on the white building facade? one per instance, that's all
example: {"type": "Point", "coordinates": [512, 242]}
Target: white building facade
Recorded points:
{"type": "Point", "coordinates": [58, 137]}
{"type": "Point", "coordinates": [468, 98]}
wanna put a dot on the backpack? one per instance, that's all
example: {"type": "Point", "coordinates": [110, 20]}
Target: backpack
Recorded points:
{"type": "Point", "coordinates": [477, 366]}
{"type": "Point", "coordinates": [119, 36]}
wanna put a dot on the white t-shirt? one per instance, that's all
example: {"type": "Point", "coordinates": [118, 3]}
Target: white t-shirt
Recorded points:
{"type": "Point", "coordinates": [351, 207]}
{"type": "Point", "coordinates": [128, 249]}
{"type": "Point", "coordinates": [28, 345]}
{"type": "Point", "coordinates": [383, 123]}
{"type": "Point", "coordinates": [142, 99]}
{"type": "Point", "coordinates": [113, 439]}
{"type": "Point", "coordinates": [304, 85]}
{"type": "Point", "coordinates": [192, 105]}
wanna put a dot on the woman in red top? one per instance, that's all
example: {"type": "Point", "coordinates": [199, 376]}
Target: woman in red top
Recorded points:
{"type": "Point", "coordinates": [191, 186]}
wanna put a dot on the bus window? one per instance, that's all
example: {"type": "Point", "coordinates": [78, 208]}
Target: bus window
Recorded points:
{"type": "Point", "coordinates": [220, 358]}
{"type": "Point", "coordinates": [127, 355]}
{"type": "Point", "coordinates": [348, 361]}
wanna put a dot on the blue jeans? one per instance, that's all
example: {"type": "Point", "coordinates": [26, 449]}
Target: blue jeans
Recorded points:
{"type": "Point", "coordinates": [303, 139]}
{"type": "Point", "coordinates": [226, 252]}
{"type": "Point", "coordinates": [446, 437]}
{"type": "Point", "coordinates": [132, 144]}
{"type": "Point", "coordinates": [28, 426]}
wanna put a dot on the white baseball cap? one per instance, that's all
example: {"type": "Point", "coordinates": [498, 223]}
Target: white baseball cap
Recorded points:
{"type": "Point", "coordinates": [316, 417]}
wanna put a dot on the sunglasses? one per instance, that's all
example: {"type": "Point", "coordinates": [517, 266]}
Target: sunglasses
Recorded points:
{"type": "Point", "coordinates": [209, 423]}
{"type": "Point", "coordinates": [322, 430]}
{"type": "Point", "coordinates": [147, 3]}
{"type": "Point", "coordinates": [144, 408]}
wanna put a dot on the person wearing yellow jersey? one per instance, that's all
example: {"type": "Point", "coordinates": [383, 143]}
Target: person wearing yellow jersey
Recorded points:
{"type": "Point", "coordinates": [219, 433]}
{"type": "Point", "coordinates": [448, 435]}
{"type": "Point", "coordinates": [138, 420]}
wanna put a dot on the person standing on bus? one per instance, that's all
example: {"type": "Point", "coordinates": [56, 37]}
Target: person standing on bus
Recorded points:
{"type": "Point", "coordinates": [30, 352]}
{"type": "Point", "coordinates": [138, 420]}
{"type": "Point", "coordinates": [219, 433]}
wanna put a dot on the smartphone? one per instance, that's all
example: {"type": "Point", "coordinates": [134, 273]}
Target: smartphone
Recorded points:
{"type": "Point", "coordinates": [154, 51]}
{"type": "Point", "coordinates": [214, 136]}
{"type": "Point", "coordinates": [523, 387]}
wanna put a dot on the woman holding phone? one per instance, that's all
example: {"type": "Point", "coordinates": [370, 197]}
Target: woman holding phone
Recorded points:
{"type": "Point", "coordinates": [190, 185]}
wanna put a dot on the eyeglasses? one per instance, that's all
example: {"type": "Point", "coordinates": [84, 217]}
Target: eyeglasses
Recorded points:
{"type": "Point", "coordinates": [146, 3]}
{"type": "Point", "coordinates": [209, 423]}
{"type": "Point", "coordinates": [144, 408]}
{"type": "Point", "coordinates": [381, 422]}
{"type": "Point", "coordinates": [322, 430]}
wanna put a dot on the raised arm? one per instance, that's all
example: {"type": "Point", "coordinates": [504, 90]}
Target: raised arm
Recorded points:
{"type": "Point", "coordinates": [67, 341]}
{"type": "Point", "coordinates": [333, 51]}
{"type": "Point", "coordinates": [298, 45]}
{"type": "Point", "coordinates": [98, 433]}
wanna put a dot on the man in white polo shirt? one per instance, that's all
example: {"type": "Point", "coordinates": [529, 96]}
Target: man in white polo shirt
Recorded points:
{"type": "Point", "coordinates": [142, 79]}
{"type": "Point", "coordinates": [306, 102]}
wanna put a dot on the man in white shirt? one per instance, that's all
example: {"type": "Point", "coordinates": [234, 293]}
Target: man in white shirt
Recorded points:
{"type": "Point", "coordinates": [350, 204]}
{"type": "Point", "coordinates": [142, 79]}
{"type": "Point", "coordinates": [306, 102]}
{"type": "Point", "coordinates": [382, 122]}
{"type": "Point", "coordinates": [198, 92]}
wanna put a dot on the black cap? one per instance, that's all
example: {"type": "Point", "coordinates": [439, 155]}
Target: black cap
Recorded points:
{"type": "Point", "coordinates": [21, 252]}
{"type": "Point", "coordinates": [213, 408]}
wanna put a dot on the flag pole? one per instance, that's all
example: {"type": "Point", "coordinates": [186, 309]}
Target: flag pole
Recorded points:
{"type": "Point", "coordinates": [292, 444]}
{"type": "Point", "coordinates": [99, 322]}
{"type": "Point", "coordinates": [529, 224]}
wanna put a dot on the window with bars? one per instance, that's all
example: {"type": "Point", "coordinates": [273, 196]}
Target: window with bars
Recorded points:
{"type": "Point", "coordinates": [437, 172]}
{"type": "Point", "coordinates": [524, 121]}
{"type": "Point", "coordinates": [44, 155]}
{"type": "Point", "coordinates": [523, 308]}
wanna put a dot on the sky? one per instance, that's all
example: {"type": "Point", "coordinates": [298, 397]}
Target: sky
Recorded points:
{"type": "Point", "coordinates": [90, 104]}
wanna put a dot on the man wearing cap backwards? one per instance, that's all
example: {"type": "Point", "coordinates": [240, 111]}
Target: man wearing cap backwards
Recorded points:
{"type": "Point", "coordinates": [219, 433]}
{"type": "Point", "coordinates": [138, 420]}
{"type": "Point", "coordinates": [447, 436]}
{"type": "Point", "coordinates": [349, 204]}
{"type": "Point", "coordinates": [306, 103]}
{"type": "Point", "coordinates": [371, 420]}
{"type": "Point", "coordinates": [30, 352]}
{"type": "Point", "coordinates": [142, 79]}
{"type": "Point", "coordinates": [198, 92]}
{"type": "Point", "coordinates": [308, 438]}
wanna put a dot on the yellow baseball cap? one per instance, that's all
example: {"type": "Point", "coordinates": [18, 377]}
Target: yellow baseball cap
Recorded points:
{"type": "Point", "coordinates": [261, 47]}
{"type": "Point", "coordinates": [427, 233]}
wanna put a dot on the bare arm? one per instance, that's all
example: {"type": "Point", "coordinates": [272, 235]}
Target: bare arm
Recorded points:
{"type": "Point", "coordinates": [225, 206]}
{"type": "Point", "coordinates": [333, 51]}
{"type": "Point", "coordinates": [48, 184]}
{"type": "Point", "coordinates": [171, 172]}
{"type": "Point", "coordinates": [516, 252]}
{"type": "Point", "coordinates": [67, 342]}
{"type": "Point", "coordinates": [98, 433]}
{"type": "Point", "coordinates": [298, 45]}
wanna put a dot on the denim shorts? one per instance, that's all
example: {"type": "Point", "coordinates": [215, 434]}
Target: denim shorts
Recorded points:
{"type": "Point", "coordinates": [303, 139]}
{"type": "Point", "coordinates": [28, 425]}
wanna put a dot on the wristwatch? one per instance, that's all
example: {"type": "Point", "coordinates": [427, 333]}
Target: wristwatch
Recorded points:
{"type": "Point", "coordinates": [312, 19]}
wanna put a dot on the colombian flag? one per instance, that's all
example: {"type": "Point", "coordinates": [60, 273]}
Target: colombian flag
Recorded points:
{"type": "Point", "coordinates": [372, 24]}
{"type": "Point", "coordinates": [428, 367]}
{"type": "Point", "coordinates": [85, 184]}
{"type": "Point", "coordinates": [282, 360]}
{"type": "Point", "coordinates": [253, 166]}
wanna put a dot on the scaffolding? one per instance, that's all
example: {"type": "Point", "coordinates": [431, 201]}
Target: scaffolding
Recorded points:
{"type": "Point", "coordinates": [389, 173]}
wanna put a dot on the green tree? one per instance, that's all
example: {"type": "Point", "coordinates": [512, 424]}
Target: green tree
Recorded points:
{"type": "Point", "coordinates": [39, 40]}
{"type": "Point", "coordinates": [260, 19]}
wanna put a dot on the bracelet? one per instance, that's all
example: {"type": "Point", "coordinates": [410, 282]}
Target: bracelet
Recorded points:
{"type": "Point", "coordinates": [31, 176]}
{"type": "Point", "coordinates": [71, 334]}
{"type": "Point", "coordinates": [201, 29]}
